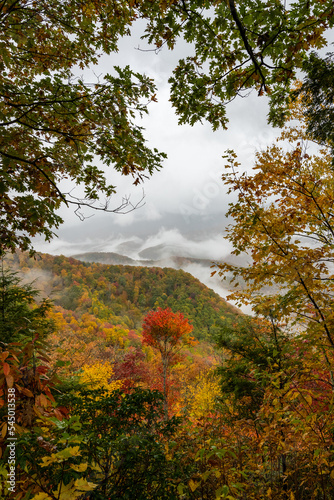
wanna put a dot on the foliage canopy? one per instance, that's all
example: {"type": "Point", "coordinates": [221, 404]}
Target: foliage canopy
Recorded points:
{"type": "Point", "coordinates": [238, 46]}
{"type": "Point", "coordinates": [284, 221]}
{"type": "Point", "coordinates": [56, 127]}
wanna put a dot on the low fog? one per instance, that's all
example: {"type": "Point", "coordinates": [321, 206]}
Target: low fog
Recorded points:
{"type": "Point", "coordinates": [195, 251]}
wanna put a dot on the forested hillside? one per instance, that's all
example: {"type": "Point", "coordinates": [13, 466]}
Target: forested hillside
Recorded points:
{"type": "Point", "coordinates": [92, 339]}
{"type": "Point", "coordinates": [124, 293]}
{"type": "Point", "coordinates": [116, 398]}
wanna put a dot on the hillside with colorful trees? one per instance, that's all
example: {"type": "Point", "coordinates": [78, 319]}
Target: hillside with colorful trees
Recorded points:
{"type": "Point", "coordinates": [119, 395]}
{"type": "Point", "coordinates": [122, 294]}
{"type": "Point", "coordinates": [98, 315]}
{"type": "Point", "coordinates": [99, 331]}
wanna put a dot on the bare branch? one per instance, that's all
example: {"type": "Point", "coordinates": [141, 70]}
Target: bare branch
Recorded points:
{"type": "Point", "coordinates": [124, 208]}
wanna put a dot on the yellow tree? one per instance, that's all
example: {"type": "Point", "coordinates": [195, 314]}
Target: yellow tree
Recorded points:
{"type": "Point", "coordinates": [283, 235]}
{"type": "Point", "coordinates": [284, 224]}
{"type": "Point", "coordinates": [202, 395]}
{"type": "Point", "coordinates": [98, 376]}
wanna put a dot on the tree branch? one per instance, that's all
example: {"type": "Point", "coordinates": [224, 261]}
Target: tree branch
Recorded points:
{"type": "Point", "coordinates": [249, 49]}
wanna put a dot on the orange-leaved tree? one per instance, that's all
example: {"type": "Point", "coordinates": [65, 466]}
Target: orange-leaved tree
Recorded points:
{"type": "Point", "coordinates": [284, 225]}
{"type": "Point", "coordinates": [167, 332]}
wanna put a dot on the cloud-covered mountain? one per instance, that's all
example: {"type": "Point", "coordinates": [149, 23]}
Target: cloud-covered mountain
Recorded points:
{"type": "Point", "coordinates": [193, 247]}
{"type": "Point", "coordinates": [146, 253]}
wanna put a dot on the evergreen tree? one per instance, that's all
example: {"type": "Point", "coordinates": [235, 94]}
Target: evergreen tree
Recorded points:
{"type": "Point", "coordinates": [20, 315]}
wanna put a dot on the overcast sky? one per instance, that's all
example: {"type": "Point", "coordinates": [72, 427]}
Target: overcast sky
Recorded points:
{"type": "Point", "coordinates": [186, 200]}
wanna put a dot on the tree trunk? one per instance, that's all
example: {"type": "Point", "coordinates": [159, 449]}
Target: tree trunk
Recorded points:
{"type": "Point", "coordinates": [164, 374]}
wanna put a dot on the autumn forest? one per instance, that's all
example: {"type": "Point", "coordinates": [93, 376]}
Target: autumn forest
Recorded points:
{"type": "Point", "coordinates": [141, 383]}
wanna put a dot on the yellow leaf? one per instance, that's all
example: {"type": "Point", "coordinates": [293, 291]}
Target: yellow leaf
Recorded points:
{"type": "Point", "coordinates": [79, 467]}
{"type": "Point", "coordinates": [193, 485]}
{"type": "Point", "coordinates": [308, 399]}
{"type": "Point", "coordinates": [73, 489]}
{"type": "Point", "coordinates": [84, 485]}
{"type": "Point", "coordinates": [75, 451]}
{"type": "Point", "coordinates": [96, 467]}
{"type": "Point", "coordinates": [66, 492]}
{"type": "Point", "coordinates": [48, 460]}
{"type": "Point", "coordinates": [41, 496]}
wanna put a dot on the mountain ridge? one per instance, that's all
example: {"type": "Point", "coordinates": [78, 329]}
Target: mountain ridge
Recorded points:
{"type": "Point", "coordinates": [115, 258]}
{"type": "Point", "coordinates": [125, 293]}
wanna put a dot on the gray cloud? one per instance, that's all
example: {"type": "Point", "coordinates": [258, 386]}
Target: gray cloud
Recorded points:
{"type": "Point", "coordinates": [186, 202]}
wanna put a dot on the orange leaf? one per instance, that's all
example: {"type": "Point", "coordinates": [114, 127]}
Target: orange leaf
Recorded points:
{"type": "Point", "coordinates": [4, 430]}
{"type": "Point", "coordinates": [58, 414]}
{"type": "Point", "coordinates": [10, 380]}
{"type": "Point", "coordinates": [43, 400]}
{"type": "Point", "coordinates": [4, 355]}
{"type": "Point", "coordinates": [6, 369]}
{"type": "Point", "coordinates": [27, 392]}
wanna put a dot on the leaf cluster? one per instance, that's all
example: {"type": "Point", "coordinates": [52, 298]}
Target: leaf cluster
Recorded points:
{"type": "Point", "coordinates": [284, 222]}
{"type": "Point", "coordinates": [166, 331]}
{"type": "Point", "coordinates": [54, 126]}
{"type": "Point", "coordinates": [122, 442]}
{"type": "Point", "coordinates": [236, 47]}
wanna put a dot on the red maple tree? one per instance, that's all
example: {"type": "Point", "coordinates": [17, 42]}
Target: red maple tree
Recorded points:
{"type": "Point", "coordinates": [168, 332]}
